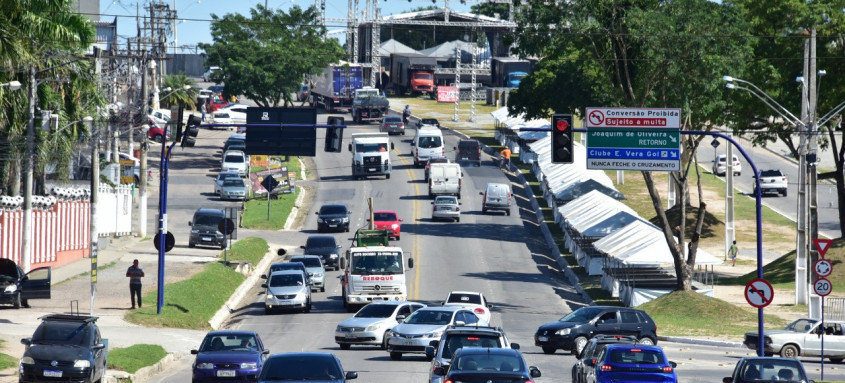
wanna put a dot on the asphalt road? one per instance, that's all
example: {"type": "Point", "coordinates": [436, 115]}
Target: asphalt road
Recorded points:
{"type": "Point", "coordinates": [501, 256]}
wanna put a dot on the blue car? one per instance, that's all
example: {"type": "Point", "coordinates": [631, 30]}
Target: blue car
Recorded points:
{"type": "Point", "coordinates": [227, 356]}
{"type": "Point", "coordinates": [305, 366]}
{"type": "Point", "coordinates": [629, 363]}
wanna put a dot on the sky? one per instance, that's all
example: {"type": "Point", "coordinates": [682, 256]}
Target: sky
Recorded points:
{"type": "Point", "coordinates": [195, 15]}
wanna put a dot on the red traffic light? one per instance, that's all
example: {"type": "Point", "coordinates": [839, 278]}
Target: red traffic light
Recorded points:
{"type": "Point", "coordinates": [562, 125]}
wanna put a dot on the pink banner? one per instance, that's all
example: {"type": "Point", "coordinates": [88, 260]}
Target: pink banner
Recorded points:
{"type": "Point", "coordinates": [447, 94]}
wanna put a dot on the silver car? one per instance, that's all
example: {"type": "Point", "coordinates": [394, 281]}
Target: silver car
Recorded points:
{"type": "Point", "coordinates": [417, 331]}
{"type": "Point", "coordinates": [234, 188]}
{"type": "Point", "coordinates": [314, 266]}
{"type": "Point", "coordinates": [446, 207]}
{"type": "Point", "coordinates": [218, 181]}
{"type": "Point", "coordinates": [371, 322]}
{"type": "Point", "coordinates": [392, 125]}
{"type": "Point", "coordinates": [287, 290]}
{"type": "Point", "coordinates": [803, 338]}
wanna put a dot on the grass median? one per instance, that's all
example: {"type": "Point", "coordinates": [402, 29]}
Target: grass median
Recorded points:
{"type": "Point", "coordinates": [133, 358]}
{"type": "Point", "coordinates": [192, 302]}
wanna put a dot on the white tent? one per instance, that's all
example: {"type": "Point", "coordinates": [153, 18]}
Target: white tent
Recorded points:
{"type": "Point", "coordinates": [580, 222]}
{"type": "Point", "coordinates": [392, 46]}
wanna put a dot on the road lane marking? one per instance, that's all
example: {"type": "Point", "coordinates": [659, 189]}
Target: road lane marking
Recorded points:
{"type": "Point", "coordinates": [413, 293]}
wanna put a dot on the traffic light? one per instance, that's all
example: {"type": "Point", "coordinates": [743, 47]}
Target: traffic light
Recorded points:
{"type": "Point", "coordinates": [191, 131]}
{"type": "Point", "coordinates": [562, 152]}
{"type": "Point", "coordinates": [334, 136]}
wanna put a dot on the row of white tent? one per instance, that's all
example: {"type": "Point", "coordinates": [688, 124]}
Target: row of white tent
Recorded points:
{"type": "Point", "coordinates": [600, 231]}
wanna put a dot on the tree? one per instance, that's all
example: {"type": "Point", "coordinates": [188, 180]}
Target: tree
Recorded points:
{"type": "Point", "coordinates": [266, 57]}
{"type": "Point", "coordinates": [636, 53]}
{"type": "Point", "coordinates": [178, 94]}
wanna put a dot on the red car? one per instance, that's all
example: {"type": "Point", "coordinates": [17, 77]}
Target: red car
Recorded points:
{"type": "Point", "coordinates": [388, 220]}
{"type": "Point", "coordinates": [156, 132]}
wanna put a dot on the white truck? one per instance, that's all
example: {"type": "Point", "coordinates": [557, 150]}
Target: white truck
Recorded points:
{"type": "Point", "coordinates": [372, 274]}
{"type": "Point", "coordinates": [370, 155]}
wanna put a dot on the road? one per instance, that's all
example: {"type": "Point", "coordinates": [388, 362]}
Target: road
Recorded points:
{"type": "Point", "coordinates": [499, 255]}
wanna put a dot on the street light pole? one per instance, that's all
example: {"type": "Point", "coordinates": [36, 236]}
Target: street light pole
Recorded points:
{"type": "Point", "coordinates": [26, 232]}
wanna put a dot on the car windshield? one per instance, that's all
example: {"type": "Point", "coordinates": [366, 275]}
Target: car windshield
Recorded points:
{"type": "Point", "coordinates": [392, 119]}
{"type": "Point", "coordinates": [367, 148]}
{"type": "Point", "coordinates": [284, 280]}
{"type": "Point", "coordinates": [63, 333]}
{"type": "Point", "coordinates": [581, 315]}
{"type": "Point", "coordinates": [429, 142]}
{"type": "Point", "coordinates": [240, 342]}
{"type": "Point", "coordinates": [376, 311]}
{"type": "Point", "coordinates": [308, 261]}
{"type": "Point", "coordinates": [464, 298]}
{"type": "Point", "coordinates": [488, 362]}
{"type": "Point", "coordinates": [333, 209]}
{"type": "Point", "coordinates": [801, 325]}
{"type": "Point", "coordinates": [773, 370]}
{"type": "Point", "coordinates": [422, 76]}
{"type": "Point", "coordinates": [208, 219]}
{"type": "Point", "coordinates": [300, 367]}
{"type": "Point", "coordinates": [234, 158]}
{"type": "Point", "coordinates": [457, 341]}
{"type": "Point", "coordinates": [317, 242]}
{"type": "Point", "coordinates": [384, 216]}
{"type": "Point", "coordinates": [430, 317]}
{"type": "Point", "coordinates": [377, 263]}
{"type": "Point", "coordinates": [234, 182]}
{"type": "Point", "coordinates": [635, 356]}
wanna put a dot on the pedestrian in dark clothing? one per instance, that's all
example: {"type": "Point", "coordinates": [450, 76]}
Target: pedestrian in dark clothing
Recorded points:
{"type": "Point", "coordinates": [135, 273]}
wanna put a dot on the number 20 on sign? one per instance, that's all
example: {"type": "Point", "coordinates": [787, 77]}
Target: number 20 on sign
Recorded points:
{"type": "Point", "coordinates": [822, 287]}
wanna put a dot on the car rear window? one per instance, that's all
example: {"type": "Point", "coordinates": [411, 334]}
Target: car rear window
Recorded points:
{"type": "Point", "coordinates": [384, 216]}
{"type": "Point", "coordinates": [234, 158]}
{"type": "Point", "coordinates": [771, 173]}
{"type": "Point", "coordinates": [308, 261]}
{"type": "Point", "coordinates": [488, 362]}
{"type": "Point", "coordinates": [467, 144]}
{"type": "Point", "coordinates": [445, 201]}
{"type": "Point", "coordinates": [635, 356]}
{"type": "Point", "coordinates": [464, 298]}
{"type": "Point", "coordinates": [457, 341]}
{"type": "Point", "coordinates": [393, 119]}
{"type": "Point", "coordinates": [333, 209]}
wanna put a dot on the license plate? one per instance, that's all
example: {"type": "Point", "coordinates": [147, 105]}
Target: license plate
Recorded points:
{"type": "Point", "coordinates": [543, 338]}
{"type": "Point", "coordinates": [438, 182]}
{"type": "Point", "coordinates": [206, 238]}
{"type": "Point", "coordinates": [408, 342]}
{"type": "Point", "coordinates": [351, 336]}
{"type": "Point", "coordinates": [226, 373]}
{"type": "Point", "coordinates": [332, 225]}
{"type": "Point", "coordinates": [372, 169]}
{"type": "Point", "coordinates": [53, 374]}
{"type": "Point", "coordinates": [376, 299]}
{"type": "Point", "coordinates": [464, 158]}
{"type": "Point", "coordinates": [285, 303]}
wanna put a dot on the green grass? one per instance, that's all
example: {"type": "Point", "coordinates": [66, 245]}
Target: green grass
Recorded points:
{"type": "Point", "coordinates": [190, 303]}
{"type": "Point", "coordinates": [702, 316]}
{"type": "Point", "coordinates": [255, 212]}
{"type": "Point", "coordinates": [6, 361]}
{"type": "Point", "coordinates": [133, 358]}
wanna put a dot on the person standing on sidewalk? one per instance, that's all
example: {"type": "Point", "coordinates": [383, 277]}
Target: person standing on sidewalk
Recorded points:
{"type": "Point", "coordinates": [733, 252]}
{"type": "Point", "coordinates": [135, 273]}
{"type": "Point", "coordinates": [506, 158]}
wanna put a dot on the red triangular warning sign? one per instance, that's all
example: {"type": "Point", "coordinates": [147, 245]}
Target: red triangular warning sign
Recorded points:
{"type": "Point", "coordinates": [822, 245]}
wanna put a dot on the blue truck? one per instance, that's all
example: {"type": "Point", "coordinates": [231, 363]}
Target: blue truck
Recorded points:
{"type": "Point", "coordinates": [334, 89]}
{"type": "Point", "coordinates": [509, 71]}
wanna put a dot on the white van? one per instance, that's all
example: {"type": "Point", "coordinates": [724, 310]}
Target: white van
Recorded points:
{"type": "Point", "coordinates": [444, 179]}
{"type": "Point", "coordinates": [496, 197]}
{"type": "Point", "coordinates": [428, 142]}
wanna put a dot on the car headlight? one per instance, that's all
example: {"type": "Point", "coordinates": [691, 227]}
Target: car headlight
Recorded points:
{"type": "Point", "coordinates": [390, 333]}
{"type": "Point", "coordinates": [205, 366]}
{"type": "Point", "coordinates": [195, 231]}
{"type": "Point", "coordinates": [318, 275]}
{"type": "Point", "coordinates": [319, 220]}
{"type": "Point", "coordinates": [435, 334]}
{"type": "Point", "coordinates": [372, 327]}
{"type": "Point", "coordinates": [332, 255]}
{"type": "Point", "coordinates": [27, 360]}
{"type": "Point", "coordinates": [338, 329]}
{"type": "Point", "coordinates": [394, 226]}
{"type": "Point", "coordinates": [563, 331]}
{"type": "Point", "coordinates": [251, 365]}
{"type": "Point", "coordinates": [345, 219]}
{"type": "Point", "coordinates": [11, 288]}
{"type": "Point", "coordinates": [300, 295]}
{"type": "Point", "coordinates": [82, 363]}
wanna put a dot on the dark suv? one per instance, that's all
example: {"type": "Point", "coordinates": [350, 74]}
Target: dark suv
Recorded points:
{"type": "Point", "coordinates": [333, 217]}
{"type": "Point", "coordinates": [456, 337]}
{"type": "Point", "coordinates": [64, 348]}
{"type": "Point", "coordinates": [326, 247]}
{"type": "Point", "coordinates": [594, 346]}
{"type": "Point", "coordinates": [468, 150]}
{"type": "Point", "coordinates": [574, 330]}
{"type": "Point", "coordinates": [17, 287]}
{"type": "Point", "coordinates": [204, 228]}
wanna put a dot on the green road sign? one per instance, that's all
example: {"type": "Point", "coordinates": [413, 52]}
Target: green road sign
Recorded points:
{"type": "Point", "coordinates": [633, 138]}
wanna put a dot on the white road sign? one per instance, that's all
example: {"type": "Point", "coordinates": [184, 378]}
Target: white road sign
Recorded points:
{"type": "Point", "coordinates": [633, 118]}
{"type": "Point", "coordinates": [822, 287]}
{"type": "Point", "coordinates": [759, 293]}
{"type": "Point", "coordinates": [823, 268]}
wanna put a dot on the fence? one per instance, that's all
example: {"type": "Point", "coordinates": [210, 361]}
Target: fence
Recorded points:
{"type": "Point", "coordinates": [114, 210]}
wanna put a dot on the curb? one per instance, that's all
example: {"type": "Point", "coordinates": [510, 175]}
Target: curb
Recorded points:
{"type": "Point", "coordinates": [701, 342]}
{"type": "Point", "coordinates": [146, 373]}
{"type": "Point", "coordinates": [232, 303]}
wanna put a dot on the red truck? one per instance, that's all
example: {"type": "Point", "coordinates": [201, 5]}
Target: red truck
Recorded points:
{"type": "Point", "coordinates": [411, 72]}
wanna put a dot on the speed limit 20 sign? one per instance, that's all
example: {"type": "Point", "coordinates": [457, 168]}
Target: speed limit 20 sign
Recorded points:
{"type": "Point", "coordinates": [822, 287]}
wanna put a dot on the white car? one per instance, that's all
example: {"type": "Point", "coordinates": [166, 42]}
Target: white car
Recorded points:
{"type": "Point", "coordinates": [235, 160]}
{"type": "Point", "coordinates": [720, 165]}
{"type": "Point", "coordinates": [369, 325]}
{"type": "Point", "coordinates": [417, 331]}
{"type": "Point", "coordinates": [772, 181]}
{"type": "Point", "coordinates": [207, 75]}
{"type": "Point", "coordinates": [222, 118]}
{"type": "Point", "coordinates": [474, 301]}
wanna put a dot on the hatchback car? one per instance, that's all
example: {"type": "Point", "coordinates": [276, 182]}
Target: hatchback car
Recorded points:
{"type": "Point", "coordinates": [218, 181]}
{"type": "Point", "coordinates": [287, 290]}
{"type": "Point", "coordinates": [314, 267]}
{"type": "Point", "coordinates": [594, 346]}
{"type": "Point", "coordinates": [19, 287]}
{"type": "Point", "coordinates": [234, 189]}
{"type": "Point", "coordinates": [291, 265]}
{"type": "Point", "coordinates": [767, 369]}
{"type": "Point", "coordinates": [392, 124]}
{"type": "Point", "coordinates": [235, 160]}
{"type": "Point", "coordinates": [472, 364]}
{"type": "Point", "coordinates": [446, 207]}
{"type": "Point", "coordinates": [304, 366]}
{"type": "Point", "coordinates": [333, 217]}
{"type": "Point", "coordinates": [326, 247]}
{"type": "Point", "coordinates": [574, 330]}
{"type": "Point", "coordinates": [772, 181]}
{"type": "Point", "coordinates": [434, 160]}
{"type": "Point", "coordinates": [417, 331]}
{"type": "Point", "coordinates": [457, 337]}
{"type": "Point", "coordinates": [631, 363]}
{"type": "Point", "coordinates": [66, 348]}
{"type": "Point", "coordinates": [388, 220]}
{"type": "Point", "coordinates": [474, 301]}
{"type": "Point", "coordinates": [222, 118]}
{"type": "Point", "coordinates": [369, 325]}
{"type": "Point", "coordinates": [229, 355]}
{"type": "Point", "coordinates": [720, 165]}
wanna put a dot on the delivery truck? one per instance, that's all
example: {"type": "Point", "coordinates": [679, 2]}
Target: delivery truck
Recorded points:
{"type": "Point", "coordinates": [334, 88]}
{"type": "Point", "coordinates": [411, 72]}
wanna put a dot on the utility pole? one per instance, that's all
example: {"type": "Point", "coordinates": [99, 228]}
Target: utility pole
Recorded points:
{"type": "Point", "coordinates": [816, 302]}
{"type": "Point", "coordinates": [142, 184]}
{"type": "Point", "coordinates": [95, 185]}
{"type": "Point", "coordinates": [802, 278]}
{"type": "Point", "coordinates": [26, 235]}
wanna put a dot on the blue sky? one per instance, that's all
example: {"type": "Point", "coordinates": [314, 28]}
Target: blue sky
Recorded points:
{"type": "Point", "coordinates": [195, 15]}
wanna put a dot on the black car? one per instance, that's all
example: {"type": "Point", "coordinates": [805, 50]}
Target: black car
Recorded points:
{"type": "Point", "coordinates": [594, 346]}
{"type": "Point", "coordinates": [235, 139]}
{"type": "Point", "coordinates": [475, 364]}
{"type": "Point", "coordinates": [333, 217]}
{"type": "Point", "coordinates": [468, 150]}
{"type": "Point", "coordinates": [66, 348]}
{"type": "Point", "coordinates": [326, 247]}
{"type": "Point", "coordinates": [17, 288]}
{"type": "Point", "coordinates": [204, 228]}
{"type": "Point", "coordinates": [456, 337]}
{"type": "Point", "coordinates": [574, 330]}
{"type": "Point", "coordinates": [304, 366]}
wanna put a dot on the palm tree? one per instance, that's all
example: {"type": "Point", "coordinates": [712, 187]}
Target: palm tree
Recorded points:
{"type": "Point", "coordinates": [178, 93]}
